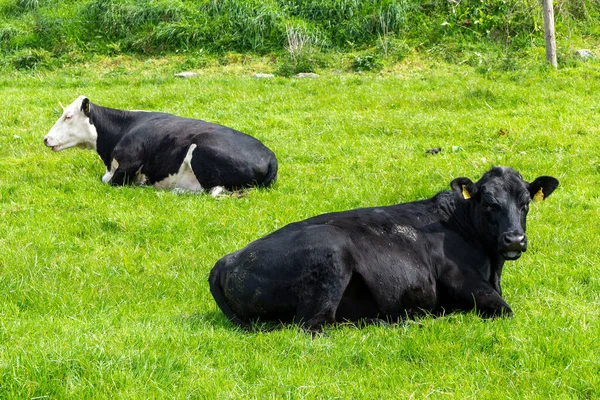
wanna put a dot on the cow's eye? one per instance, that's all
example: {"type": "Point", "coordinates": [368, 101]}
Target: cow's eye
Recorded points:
{"type": "Point", "coordinates": [68, 117]}
{"type": "Point", "coordinates": [525, 208]}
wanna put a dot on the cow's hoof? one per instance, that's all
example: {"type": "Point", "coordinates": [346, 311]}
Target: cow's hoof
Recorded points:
{"type": "Point", "coordinates": [219, 192]}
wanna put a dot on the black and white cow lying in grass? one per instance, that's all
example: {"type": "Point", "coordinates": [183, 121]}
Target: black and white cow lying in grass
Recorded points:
{"type": "Point", "coordinates": [163, 150]}
{"type": "Point", "coordinates": [435, 256]}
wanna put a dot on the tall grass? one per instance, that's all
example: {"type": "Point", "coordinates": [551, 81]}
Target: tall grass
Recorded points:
{"type": "Point", "coordinates": [153, 27]}
{"type": "Point", "coordinates": [301, 48]}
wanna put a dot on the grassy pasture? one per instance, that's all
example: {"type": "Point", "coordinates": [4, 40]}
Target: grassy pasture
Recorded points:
{"type": "Point", "coordinates": [104, 292]}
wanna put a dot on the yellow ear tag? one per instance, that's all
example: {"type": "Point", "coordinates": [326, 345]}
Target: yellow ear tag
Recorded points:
{"type": "Point", "coordinates": [466, 193]}
{"type": "Point", "coordinates": [539, 196]}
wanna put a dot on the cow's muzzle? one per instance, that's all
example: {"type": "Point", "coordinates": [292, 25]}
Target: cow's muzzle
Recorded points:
{"type": "Point", "coordinates": [48, 143]}
{"type": "Point", "coordinates": [512, 245]}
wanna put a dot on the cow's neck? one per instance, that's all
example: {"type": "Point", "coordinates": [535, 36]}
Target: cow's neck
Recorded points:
{"type": "Point", "coordinates": [111, 125]}
{"type": "Point", "coordinates": [490, 247]}
{"type": "Point", "coordinates": [462, 215]}
{"type": "Point", "coordinates": [464, 218]}
{"type": "Point", "coordinates": [457, 213]}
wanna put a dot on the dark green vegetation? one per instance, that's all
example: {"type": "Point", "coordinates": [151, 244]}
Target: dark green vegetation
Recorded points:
{"type": "Point", "coordinates": [300, 35]}
{"type": "Point", "coordinates": [103, 290]}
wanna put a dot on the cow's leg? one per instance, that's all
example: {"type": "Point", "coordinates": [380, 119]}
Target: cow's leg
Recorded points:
{"type": "Point", "coordinates": [358, 304]}
{"type": "Point", "coordinates": [322, 294]}
{"type": "Point", "coordinates": [471, 292]}
{"type": "Point", "coordinates": [313, 317]}
{"type": "Point", "coordinates": [482, 297]}
{"type": "Point", "coordinates": [496, 283]}
{"type": "Point", "coordinates": [489, 305]}
{"type": "Point", "coordinates": [110, 172]}
{"type": "Point", "coordinates": [125, 174]}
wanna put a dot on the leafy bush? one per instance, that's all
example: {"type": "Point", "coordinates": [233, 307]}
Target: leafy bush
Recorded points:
{"type": "Point", "coordinates": [353, 22]}
{"type": "Point", "coordinates": [366, 62]}
{"type": "Point", "coordinates": [129, 22]}
{"type": "Point", "coordinates": [255, 25]}
{"type": "Point", "coordinates": [301, 50]}
{"type": "Point", "coordinates": [28, 4]}
{"type": "Point", "coordinates": [31, 58]}
{"type": "Point", "coordinates": [392, 28]}
{"type": "Point", "coordinates": [7, 34]}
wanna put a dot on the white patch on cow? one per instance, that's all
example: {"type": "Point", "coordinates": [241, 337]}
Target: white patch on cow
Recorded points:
{"type": "Point", "coordinates": [109, 174]}
{"type": "Point", "coordinates": [72, 129]}
{"type": "Point", "coordinates": [407, 231]}
{"type": "Point", "coordinates": [184, 179]}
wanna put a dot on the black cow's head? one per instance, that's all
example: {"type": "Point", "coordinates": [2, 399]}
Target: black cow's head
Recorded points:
{"type": "Point", "coordinates": [501, 201]}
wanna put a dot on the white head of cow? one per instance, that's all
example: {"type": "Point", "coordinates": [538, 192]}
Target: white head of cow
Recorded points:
{"type": "Point", "coordinates": [73, 128]}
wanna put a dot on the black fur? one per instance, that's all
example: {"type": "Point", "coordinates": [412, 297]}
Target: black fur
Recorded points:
{"type": "Point", "coordinates": [432, 256]}
{"type": "Point", "coordinates": [158, 143]}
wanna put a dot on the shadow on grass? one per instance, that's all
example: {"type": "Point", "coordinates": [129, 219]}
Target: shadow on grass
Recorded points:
{"type": "Point", "coordinates": [201, 320]}
{"type": "Point", "coordinates": [216, 319]}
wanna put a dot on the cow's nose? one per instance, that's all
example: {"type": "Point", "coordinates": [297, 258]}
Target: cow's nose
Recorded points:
{"type": "Point", "coordinates": [46, 141]}
{"type": "Point", "coordinates": [514, 241]}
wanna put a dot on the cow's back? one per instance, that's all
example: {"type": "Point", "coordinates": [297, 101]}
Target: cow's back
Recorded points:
{"type": "Point", "coordinates": [222, 156]}
{"type": "Point", "coordinates": [272, 276]}
{"type": "Point", "coordinates": [226, 155]}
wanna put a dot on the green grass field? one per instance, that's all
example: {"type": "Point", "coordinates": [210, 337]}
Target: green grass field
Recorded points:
{"type": "Point", "coordinates": [104, 293]}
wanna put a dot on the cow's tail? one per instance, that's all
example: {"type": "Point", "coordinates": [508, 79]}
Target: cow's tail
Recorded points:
{"type": "Point", "coordinates": [271, 175]}
{"type": "Point", "coordinates": [217, 292]}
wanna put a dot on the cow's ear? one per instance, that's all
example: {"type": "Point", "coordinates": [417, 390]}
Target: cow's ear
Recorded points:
{"type": "Point", "coordinates": [85, 106]}
{"type": "Point", "coordinates": [463, 186]}
{"type": "Point", "coordinates": [542, 187]}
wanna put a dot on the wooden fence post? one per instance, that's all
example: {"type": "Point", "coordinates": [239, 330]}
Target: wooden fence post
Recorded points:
{"type": "Point", "coordinates": [549, 32]}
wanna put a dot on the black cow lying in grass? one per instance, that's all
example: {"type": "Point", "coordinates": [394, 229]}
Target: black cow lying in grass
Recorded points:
{"type": "Point", "coordinates": [433, 256]}
{"type": "Point", "coordinates": [163, 150]}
